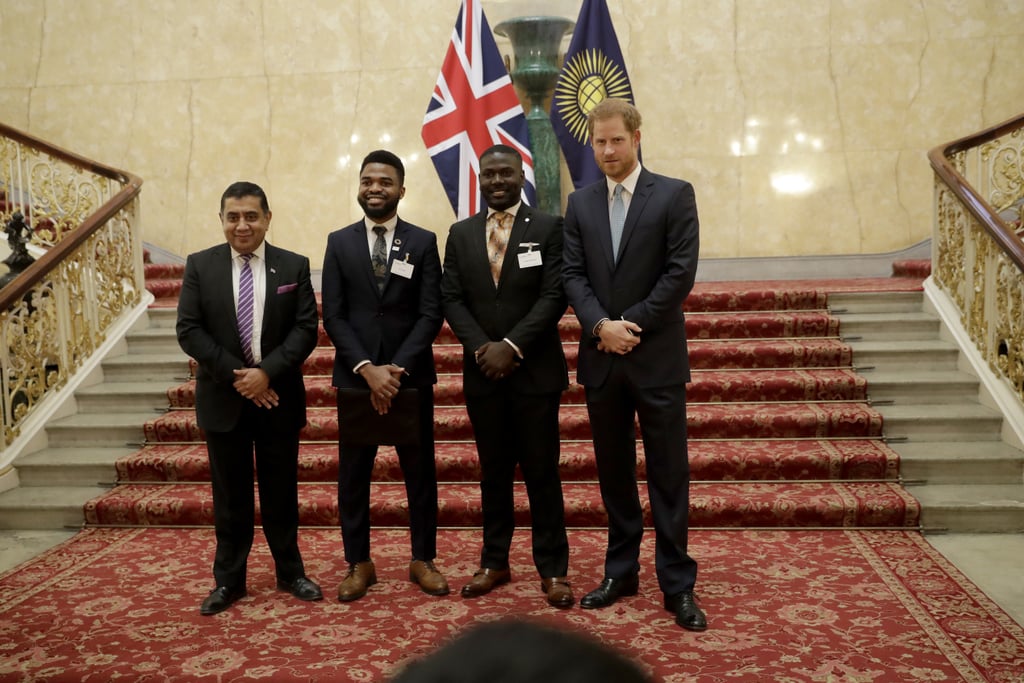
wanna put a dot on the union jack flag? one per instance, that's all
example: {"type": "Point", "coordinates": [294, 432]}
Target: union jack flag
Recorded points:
{"type": "Point", "coordinates": [474, 106]}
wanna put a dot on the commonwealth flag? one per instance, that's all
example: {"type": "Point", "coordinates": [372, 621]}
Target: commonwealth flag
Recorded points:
{"type": "Point", "coordinates": [474, 106]}
{"type": "Point", "coordinates": [593, 70]}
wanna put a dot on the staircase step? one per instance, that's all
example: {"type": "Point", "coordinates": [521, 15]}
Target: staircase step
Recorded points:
{"type": "Point", "coordinates": [745, 459]}
{"type": "Point", "coordinates": [973, 508]}
{"type": "Point", "coordinates": [163, 317]}
{"type": "Point", "coordinates": [45, 507]}
{"type": "Point", "coordinates": [71, 466]}
{"type": "Point", "coordinates": [788, 504]}
{"type": "Point", "coordinates": [963, 462]}
{"type": "Point", "coordinates": [941, 422]}
{"type": "Point", "coordinates": [114, 397]}
{"type": "Point", "coordinates": [921, 387]}
{"type": "Point", "coordinates": [890, 326]}
{"type": "Point", "coordinates": [925, 354]}
{"type": "Point", "coordinates": [154, 340]}
{"type": "Point", "coordinates": [142, 367]}
{"type": "Point", "coordinates": [840, 303]}
{"type": "Point", "coordinates": [97, 429]}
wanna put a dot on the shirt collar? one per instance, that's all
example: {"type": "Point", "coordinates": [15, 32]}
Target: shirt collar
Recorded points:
{"type": "Point", "coordinates": [390, 223]}
{"type": "Point", "coordinates": [628, 183]}
{"type": "Point", "coordinates": [259, 252]}
{"type": "Point", "coordinates": [512, 210]}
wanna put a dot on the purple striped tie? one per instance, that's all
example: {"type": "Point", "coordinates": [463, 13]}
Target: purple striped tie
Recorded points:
{"type": "Point", "coordinates": [245, 310]}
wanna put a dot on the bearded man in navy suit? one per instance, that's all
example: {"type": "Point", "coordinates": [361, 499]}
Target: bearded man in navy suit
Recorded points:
{"type": "Point", "coordinates": [382, 311]}
{"type": "Point", "coordinates": [503, 297]}
{"type": "Point", "coordinates": [250, 396]}
{"type": "Point", "coordinates": [630, 260]}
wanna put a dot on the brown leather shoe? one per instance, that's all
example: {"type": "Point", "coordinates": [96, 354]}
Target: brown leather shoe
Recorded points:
{"type": "Point", "coordinates": [484, 581]}
{"type": "Point", "coordinates": [429, 579]}
{"type": "Point", "coordinates": [558, 591]}
{"type": "Point", "coordinates": [360, 576]}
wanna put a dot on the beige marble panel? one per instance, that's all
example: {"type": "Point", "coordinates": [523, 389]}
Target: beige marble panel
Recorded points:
{"type": "Point", "coordinates": [772, 25]}
{"type": "Point", "coordinates": [310, 150]}
{"type": "Point", "coordinates": [312, 36]}
{"type": "Point", "coordinates": [14, 107]}
{"type": "Point", "coordinates": [228, 143]}
{"type": "Point", "coordinates": [90, 120]}
{"type": "Point", "coordinates": [716, 185]}
{"type": "Point", "coordinates": [797, 204]}
{"type": "Point", "coordinates": [397, 34]}
{"type": "Point", "coordinates": [1004, 88]}
{"type": "Point", "coordinates": [21, 35]}
{"type": "Point", "coordinates": [86, 42]}
{"type": "Point", "coordinates": [877, 22]}
{"type": "Point", "coordinates": [879, 200]}
{"type": "Point", "coordinates": [197, 39]}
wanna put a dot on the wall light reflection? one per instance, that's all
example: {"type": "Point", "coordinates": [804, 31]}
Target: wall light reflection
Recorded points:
{"type": "Point", "coordinates": [792, 183]}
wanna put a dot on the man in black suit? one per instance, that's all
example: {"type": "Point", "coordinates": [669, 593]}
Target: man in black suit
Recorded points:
{"type": "Point", "coordinates": [249, 394]}
{"type": "Point", "coordinates": [503, 297]}
{"type": "Point", "coordinates": [631, 244]}
{"type": "Point", "coordinates": [382, 311]}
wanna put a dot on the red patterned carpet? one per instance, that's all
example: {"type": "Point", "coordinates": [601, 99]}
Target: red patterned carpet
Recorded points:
{"type": "Point", "coordinates": [809, 605]}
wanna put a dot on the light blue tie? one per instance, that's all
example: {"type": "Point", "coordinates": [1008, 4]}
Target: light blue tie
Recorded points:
{"type": "Point", "coordinates": [618, 219]}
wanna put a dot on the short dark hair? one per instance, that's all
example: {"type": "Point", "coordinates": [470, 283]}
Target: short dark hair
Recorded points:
{"type": "Point", "coordinates": [519, 651]}
{"type": "Point", "coordinates": [501, 149]}
{"type": "Point", "coordinates": [382, 156]}
{"type": "Point", "coordinates": [244, 188]}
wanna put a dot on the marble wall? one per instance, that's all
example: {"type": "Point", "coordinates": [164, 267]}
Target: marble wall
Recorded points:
{"type": "Point", "coordinates": [803, 124]}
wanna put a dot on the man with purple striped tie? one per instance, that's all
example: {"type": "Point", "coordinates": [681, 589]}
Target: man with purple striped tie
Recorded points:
{"type": "Point", "coordinates": [247, 314]}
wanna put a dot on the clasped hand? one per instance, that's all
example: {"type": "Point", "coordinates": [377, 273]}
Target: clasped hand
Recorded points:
{"type": "Point", "coordinates": [254, 384]}
{"type": "Point", "coordinates": [619, 336]}
{"type": "Point", "coordinates": [384, 382]}
{"type": "Point", "coordinates": [496, 359]}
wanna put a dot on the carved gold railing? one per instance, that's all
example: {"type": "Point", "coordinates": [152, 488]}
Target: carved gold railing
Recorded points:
{"type": "Point", "coordinates": [977, 253]}
{"type": "Point", "coordinates": [57, 311]}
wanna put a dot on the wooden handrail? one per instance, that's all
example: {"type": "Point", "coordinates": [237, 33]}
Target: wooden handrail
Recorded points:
{"type": "Point", "coordinates": [35, 273]}
{"type": "Point", "coordinates": [1004, 236]}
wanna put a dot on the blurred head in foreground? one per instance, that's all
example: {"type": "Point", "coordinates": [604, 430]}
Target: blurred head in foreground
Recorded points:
{"type": "Point", "coordinates": [521, 652]}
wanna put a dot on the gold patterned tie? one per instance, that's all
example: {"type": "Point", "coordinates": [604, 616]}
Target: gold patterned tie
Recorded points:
{"type": "Point", "coordinates": [499, 226]}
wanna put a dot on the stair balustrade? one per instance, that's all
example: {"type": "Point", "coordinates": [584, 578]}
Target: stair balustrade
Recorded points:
{"type": "Point", "coordinates": [57, 312]}
{"type": "Point", "coordinates": [977, 252]}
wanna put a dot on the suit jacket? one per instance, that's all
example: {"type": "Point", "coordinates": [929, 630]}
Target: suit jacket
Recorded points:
{"type": "Point", "coordinates": [397, 325]}
{"type": "Point", "coordinates": [525, 306]}
{"type": "Point", "coordinates": [208, 332]}
{"type": "Point", "coordinates": [654, 274]}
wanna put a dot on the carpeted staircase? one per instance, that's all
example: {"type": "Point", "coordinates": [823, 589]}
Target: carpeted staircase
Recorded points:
{"type": "Point", "coordinates": [782, 432]}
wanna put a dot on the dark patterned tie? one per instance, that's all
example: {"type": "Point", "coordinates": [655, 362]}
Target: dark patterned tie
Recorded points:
{"type": "Point", "coordinates": [618, 219]}
{"type": "Point", "coordinates": [245, 309]}
{"type": "Point", "coordinates": [379, 258]}
{"type": "Point", "coordinates": [499, 225]}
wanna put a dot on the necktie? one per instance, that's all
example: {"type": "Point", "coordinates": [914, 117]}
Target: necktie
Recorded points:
{"type": "Point", "coordinates": [499, 226]}
{"type": "Point", "coordinates": [379, 258]}
{"type": "Point", "coordinates": [618, 218]}
{"type": "Point", "coordinates": [245, 309]}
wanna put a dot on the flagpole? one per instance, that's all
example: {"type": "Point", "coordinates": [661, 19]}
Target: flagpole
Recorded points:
{"type": "Point", "coordinates": [535, 45]}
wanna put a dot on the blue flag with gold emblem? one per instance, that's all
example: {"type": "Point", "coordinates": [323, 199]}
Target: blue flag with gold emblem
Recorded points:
{"type": "Point", "coordinates": [593, 70]}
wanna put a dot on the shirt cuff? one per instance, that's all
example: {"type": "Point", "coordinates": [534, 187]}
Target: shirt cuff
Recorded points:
{"type": "Point", "coordinates": [514, 347]}
{"type": "Point", "coordinates": [360, 364]}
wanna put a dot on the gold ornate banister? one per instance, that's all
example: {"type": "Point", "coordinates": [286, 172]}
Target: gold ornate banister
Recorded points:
{"type": "Point", "coordinates": [978, 257]}
{"type": "Point", "coordinates": [58, 310]}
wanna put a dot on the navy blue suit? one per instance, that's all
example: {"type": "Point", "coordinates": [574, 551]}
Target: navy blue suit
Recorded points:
{"type": "Point", "coordinates": [655, 271]}
{"type": "Point", "coordinates": [397, 325]}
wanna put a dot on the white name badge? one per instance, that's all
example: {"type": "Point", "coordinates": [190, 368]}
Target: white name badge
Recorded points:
{"type": "Point", "coordinates": [529, 259]}
{"type": "Point", "coordinates": [402, 269]}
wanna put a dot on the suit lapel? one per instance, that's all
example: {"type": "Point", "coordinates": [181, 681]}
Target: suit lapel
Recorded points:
{"type": "Point", "coordinates": [272, 279]}
{"type": "Point", "coordinates": [520, 230]}
{"type": "Point", "coordinates": [362, 255]}
{"type": "Point", "coordinates": [602, 221]}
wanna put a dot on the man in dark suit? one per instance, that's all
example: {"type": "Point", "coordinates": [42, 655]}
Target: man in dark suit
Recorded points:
{"type": "Point", "coordinates": [247, 315]}
{"type": "Point", "coordinates": [631, 244]}
{"type": "Point", "coordinates": [382, 310]}
{"type": "Point", "coordinates": [503, 297]}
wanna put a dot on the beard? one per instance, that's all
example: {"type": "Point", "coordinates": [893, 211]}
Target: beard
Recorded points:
{"type": "Point", "coordinates": [389, 207]}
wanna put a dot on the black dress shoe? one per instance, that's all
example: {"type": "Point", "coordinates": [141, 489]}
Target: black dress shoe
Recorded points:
{"type": "Point", "coordinates": [609, 591]}
{"type": "Point", "coordinates": [220, 598]}
{"type": "Point", "coordinates": [688, 615]}
{"type": "Point", "coordinates": [302, 588]}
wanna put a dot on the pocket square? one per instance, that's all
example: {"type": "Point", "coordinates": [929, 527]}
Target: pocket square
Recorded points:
{"type": "Point", "coordinates": [284, 289]}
